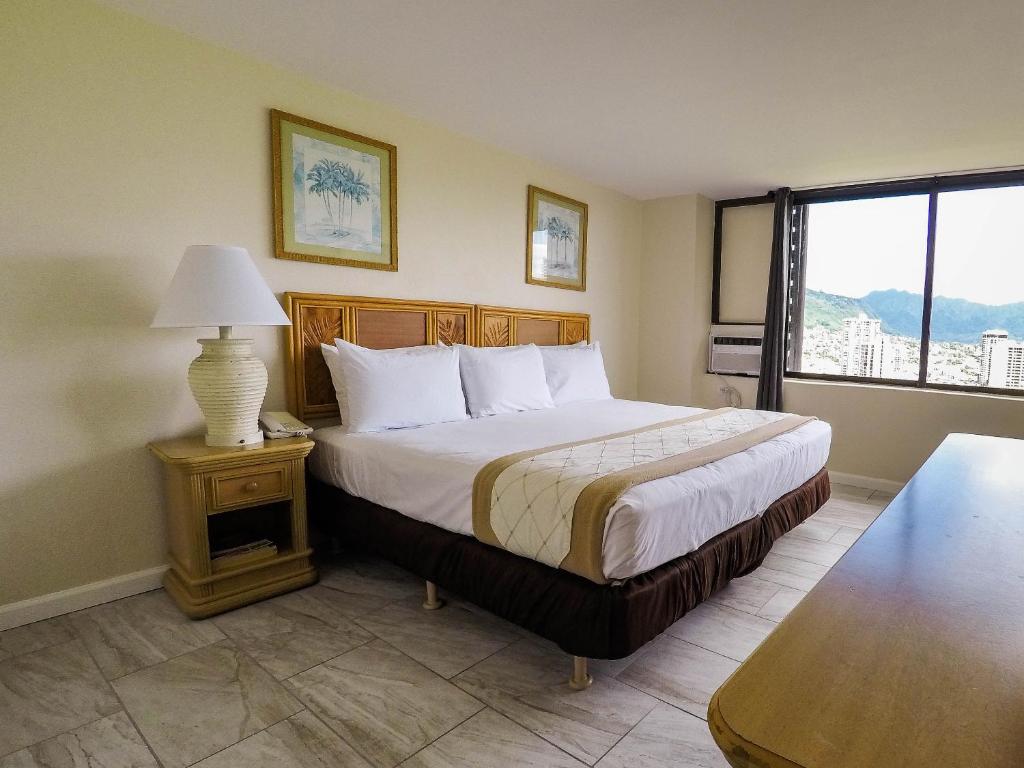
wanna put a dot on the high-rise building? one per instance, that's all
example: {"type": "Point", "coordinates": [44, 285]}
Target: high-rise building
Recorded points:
{"type": "Point", "coordinates": [869, 352]}
{"type": "Point", "coordinates": [862, 346]}
{"type": "Point", "coordinates": [1002, 361]}
{"type": "Point", "coordinates": [995, 348]}
{"type": "Point", "coordinates": [892, 357]}
{"type": "Point", "coordinates": [1015, 366]}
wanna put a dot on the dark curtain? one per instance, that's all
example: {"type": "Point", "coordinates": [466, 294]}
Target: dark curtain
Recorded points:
{"type": "Point", "coordinates": [773, 348]}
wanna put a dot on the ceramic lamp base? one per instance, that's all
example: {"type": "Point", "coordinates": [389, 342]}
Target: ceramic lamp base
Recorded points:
{"type": "Point", "coordinates": [229, 383]}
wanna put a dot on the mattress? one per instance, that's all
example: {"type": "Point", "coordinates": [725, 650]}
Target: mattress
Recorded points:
{"type": "Point", "coordinates": [427, 474]}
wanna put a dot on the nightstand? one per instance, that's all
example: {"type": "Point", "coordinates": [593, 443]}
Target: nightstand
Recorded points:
{"type": "Point", "coordinates": [224, 499]}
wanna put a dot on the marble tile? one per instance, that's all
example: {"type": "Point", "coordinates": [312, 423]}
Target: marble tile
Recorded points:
{"type": "Point", "coordinates": [881, 497]}
{"type": "Point", "coordinates": [852, 514]}
{"type": "Point", "coordinates": [448, 640]}
{"type": "Point", "coordinates": [606, 667]}
{"type": "Point", "coordinates": [666, 738]}
{"type": "Point", "coordinates": [474, 608]}
{"type": "Point", "coordinates": [812, 571]}
{"type": "Point", "coordinates": [873, 505]}
{"type": "Point", "coordinates": [784, 601]}
{"type": "Point", "coordinates": [48, 692]}
{"type": "Point", "coordinates": [818, 552]}
{"type": "Point", "coordinates": [382, 702]}
{"type": "Point", "coordinates": [351, 605]}
{"type": "Point", "coordinates": [35, 637]}
{"type": "Point", "coordinates": [528, 682]}
{"type": "Point", "coordinates": [844, 491]}
{"type": "Point", "coordinates": [722, 630]}
{"type": "Point", "coordinates": [140, 631]}
{"type": "Point", "coordinates": [293, 632]}
{"type": "Point", "coordinates": [816, 530]}
{"type": "Point", "coordinates": [111, 742]}
{"type": "Point", "coordinates": [301, 741]}
{"type": "Point", "coordinates": [785, 578]}
{"type": "Point", "coordinates": [490, 740]}
{"type": "Point", "coordinates": [680, 674]}
{"type": "Point", "coordinates": [846, 537]}
{"type": "Point", "coordinates": [197, 704]}
{"type": "Point", "coordinates": [747, 593]}
{"type": "Point", "coordinates": [371, 578]}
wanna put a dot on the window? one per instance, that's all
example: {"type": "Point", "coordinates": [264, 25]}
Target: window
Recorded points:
{"type": "Point", "coordinates": [916, 283]}
{"type": "Point", "coordinates": [977, 329]}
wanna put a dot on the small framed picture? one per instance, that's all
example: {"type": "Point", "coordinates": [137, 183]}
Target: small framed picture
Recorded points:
{"type": "Point", "coordinates": [334, 195]}
{"type": "Point", "coordinates": [556, 240]}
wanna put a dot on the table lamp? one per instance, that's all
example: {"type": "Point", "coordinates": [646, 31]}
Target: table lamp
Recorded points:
{"type": "Point", "coordinates": [218, 285]}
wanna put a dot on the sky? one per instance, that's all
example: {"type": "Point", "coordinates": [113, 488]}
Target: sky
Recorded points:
{"type": "Point", "coordinates": [858, 246]}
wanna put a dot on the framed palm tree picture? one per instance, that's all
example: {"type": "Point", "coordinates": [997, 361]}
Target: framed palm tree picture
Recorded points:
{"type": "Point", "coordinates": [334, 195]}
{"type": "Point", "coordinates": [556, 240]}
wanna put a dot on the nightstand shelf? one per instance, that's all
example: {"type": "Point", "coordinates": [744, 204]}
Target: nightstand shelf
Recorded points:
{"type": "Point", "coordinates": [218, 498]}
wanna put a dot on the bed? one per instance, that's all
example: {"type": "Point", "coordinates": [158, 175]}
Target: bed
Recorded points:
{"type": "Point", "coordinates": [406, 495]}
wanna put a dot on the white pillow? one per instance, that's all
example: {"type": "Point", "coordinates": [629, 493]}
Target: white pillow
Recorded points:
{"type": "Point", "coordinates": [503, 379]}
{"type": "Point", "coordinates": [332, 358]}
{"type": "Point", "coordinates": [575, 373]}
{"type": "Point", "coordinates": [394, 388]}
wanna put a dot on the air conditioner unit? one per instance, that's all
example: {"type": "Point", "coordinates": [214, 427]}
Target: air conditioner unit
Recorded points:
{"type": "Point", "coordinates": [735, 349]}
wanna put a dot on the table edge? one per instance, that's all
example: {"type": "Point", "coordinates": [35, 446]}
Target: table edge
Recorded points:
{"type": "Point", "coordinates": [739, 752]}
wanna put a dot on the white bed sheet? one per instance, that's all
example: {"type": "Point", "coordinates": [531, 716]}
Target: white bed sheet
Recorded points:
{"type": "Point", "coordinates": [427, 473]}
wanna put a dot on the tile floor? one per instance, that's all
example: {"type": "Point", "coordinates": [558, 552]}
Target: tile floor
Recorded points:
{"type": "Point", "coordinates": [351, 672]}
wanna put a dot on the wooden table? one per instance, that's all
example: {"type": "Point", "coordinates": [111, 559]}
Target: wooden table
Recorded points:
{"type": "Point", "coordinates": [910, 652]}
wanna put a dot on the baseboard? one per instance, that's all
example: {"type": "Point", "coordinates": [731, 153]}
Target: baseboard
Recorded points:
{"type": "Point", "coordinates": [874, 483]}
{"type": "Point", "coordinates": [77, 598]}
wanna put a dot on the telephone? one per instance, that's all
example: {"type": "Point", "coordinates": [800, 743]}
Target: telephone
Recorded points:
{"type": "Point", "coordinates": [277, 424]}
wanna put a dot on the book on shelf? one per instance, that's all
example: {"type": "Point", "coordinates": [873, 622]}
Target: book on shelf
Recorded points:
{"type": "Point", "coordinates": [240, 556]}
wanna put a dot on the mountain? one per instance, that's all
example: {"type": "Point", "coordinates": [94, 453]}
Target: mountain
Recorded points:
{"type": "Point", "coordinates": [830, 309]}
{"type": "Point", "coordinates": [900, 313]}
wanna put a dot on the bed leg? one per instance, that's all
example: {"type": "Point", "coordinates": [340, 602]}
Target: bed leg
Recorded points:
{"type": "Point", "coordinates": [580, 679]}
{"type": "Point", "coordinates": [433, 602]}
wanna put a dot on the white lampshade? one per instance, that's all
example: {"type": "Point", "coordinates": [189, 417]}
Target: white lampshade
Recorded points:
{"type": "Point", "coordinates": [218, 285]}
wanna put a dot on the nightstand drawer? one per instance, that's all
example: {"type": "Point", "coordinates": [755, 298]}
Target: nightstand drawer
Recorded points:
{"type": "Point", "coordinates": [271, 482]}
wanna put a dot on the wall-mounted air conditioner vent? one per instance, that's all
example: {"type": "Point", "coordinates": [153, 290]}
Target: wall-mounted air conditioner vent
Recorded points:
{"type": "Point", "coordinates": [735, 349]}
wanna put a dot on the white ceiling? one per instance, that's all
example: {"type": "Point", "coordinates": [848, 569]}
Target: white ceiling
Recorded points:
{"type": "Point", "coordinates": [660, 97]}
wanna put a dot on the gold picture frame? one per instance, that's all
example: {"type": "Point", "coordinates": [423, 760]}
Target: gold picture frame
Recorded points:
{"type": "Point", "coordinates": [337, 201]}
{"type": "Point", "coordinates": [556, 240]}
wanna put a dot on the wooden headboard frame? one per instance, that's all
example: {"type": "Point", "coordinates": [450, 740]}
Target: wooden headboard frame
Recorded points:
{"type": "Point", "coordinates": [319, 318]}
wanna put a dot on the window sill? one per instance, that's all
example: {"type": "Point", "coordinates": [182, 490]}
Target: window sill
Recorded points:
{"type": "Point", "coordinates": [824, 380]}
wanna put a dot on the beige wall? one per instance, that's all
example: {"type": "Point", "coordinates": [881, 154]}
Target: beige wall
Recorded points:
{"type": "Point", "coordinates": [122, 143]}
{"type": "Point", "coordinates": [675, 301]}
{"type": "Point", "coordinates": [668, 292]}
{"type": "Point", "coordinates": [878, 432]}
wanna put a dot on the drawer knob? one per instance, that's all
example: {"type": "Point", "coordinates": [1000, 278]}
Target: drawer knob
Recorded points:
{"type": "Point", "coordinates": [250, 487]}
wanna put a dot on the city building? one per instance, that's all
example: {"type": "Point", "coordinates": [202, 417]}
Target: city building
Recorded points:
{"type": "Point", "coordinates": [1002, 361]}
{"type": "Point", "coordinates": [869, 352]}
{"type": "Point", "coordinates": [995, 346]}
{"type": "Point", "coordinates": [1015, 366]}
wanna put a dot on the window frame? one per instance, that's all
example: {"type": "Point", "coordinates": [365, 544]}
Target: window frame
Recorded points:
{"type": "Point", "coordinates": [931, 186]}
{"type": "Point", "coordinates": [716, 263]}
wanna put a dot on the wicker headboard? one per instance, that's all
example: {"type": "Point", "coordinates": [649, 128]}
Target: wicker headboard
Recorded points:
{"type": "Point", "coordinates": [387, 323]}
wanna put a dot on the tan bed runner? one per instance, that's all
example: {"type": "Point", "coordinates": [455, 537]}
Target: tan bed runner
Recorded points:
{"type": "Point", "coordinates": [550, 504]}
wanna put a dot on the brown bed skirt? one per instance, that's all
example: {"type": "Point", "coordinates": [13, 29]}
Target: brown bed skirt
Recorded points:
{"type": "Point", "coordinates": [600, 621]}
